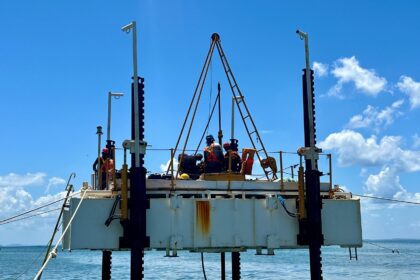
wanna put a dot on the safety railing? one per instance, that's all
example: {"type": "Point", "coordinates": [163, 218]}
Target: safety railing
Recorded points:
{"type": "Point", "coordinates": [288, 163]}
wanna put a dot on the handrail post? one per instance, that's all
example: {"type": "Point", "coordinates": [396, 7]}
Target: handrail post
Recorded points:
{"type": "Point", "coordinates": [124, 189]}
{"type": "Point", "coordinates": [99, 165]}
{"type": "Point", "coordinates": [330, 172]}
{"type": "Point", "coordinates": [172, 168]}
{"type": "Point", "coordinates": [114, 177]}
{"type": "Point", "coordinates": [281, 172]}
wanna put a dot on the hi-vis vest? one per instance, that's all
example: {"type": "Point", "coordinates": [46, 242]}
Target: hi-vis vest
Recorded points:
{"type": "Point", "coordinates": [107, 165]}
{"type": "Point", "coordinates": [211, 156]}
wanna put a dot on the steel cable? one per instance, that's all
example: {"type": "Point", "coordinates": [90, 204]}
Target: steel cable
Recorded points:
{"type": "Point", "coordinates": [31, 216]}
{"type": "Point", "coordinates": [35, 209]}
{"type": "Point", "coordinates": [387, 199]}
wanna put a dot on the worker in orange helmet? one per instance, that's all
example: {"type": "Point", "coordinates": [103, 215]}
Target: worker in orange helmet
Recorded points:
{"type": "Point", "coordinates": [107, 167]}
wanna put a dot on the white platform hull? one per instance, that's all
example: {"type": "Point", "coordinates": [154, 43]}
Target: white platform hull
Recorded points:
{"type": "Point", "coordinates": [213, 223]}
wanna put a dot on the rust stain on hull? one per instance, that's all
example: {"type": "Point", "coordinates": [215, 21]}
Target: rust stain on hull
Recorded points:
{"type": "Point", "coordinates": [202, 210]}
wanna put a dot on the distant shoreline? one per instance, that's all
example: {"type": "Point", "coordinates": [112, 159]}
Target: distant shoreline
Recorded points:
{"type": "Point", "coordinates": [405, 240]}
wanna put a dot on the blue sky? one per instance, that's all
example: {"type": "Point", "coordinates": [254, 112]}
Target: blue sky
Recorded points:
{"type": "Point", "coordinates": [58, 60]}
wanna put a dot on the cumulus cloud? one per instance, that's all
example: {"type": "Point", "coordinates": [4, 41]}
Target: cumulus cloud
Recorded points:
{"type": "Point", "coordinates": [387, 184]}
{"type": "Point", "coordinates": [416, 141]}
{"type": "Point", "coordinates": [320, 69]}
{"type": "Point", "coordinates": [374, 118]}
{"type": "Point", "coordinates": [384, 184]}
{"type": "Point", "coordinates": [17, 200]}
{"type": "Point", "coordinates": [348, 70]}
{"type": "Point", "coordinates": [53, 182]}
{"type": "Point", "coordinates": [352, 148]}
{"type": "Point", "coordinates": [17, 180]}
{"type": "Point", "coordinates": [164, 167]}
{"type": "Point", "coordinates": [410, 88]}
{"type": "Point", "coordinates": [14, 199]}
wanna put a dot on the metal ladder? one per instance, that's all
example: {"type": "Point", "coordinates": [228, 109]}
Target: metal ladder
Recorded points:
{"type": "Point", "coordinates": [251, 129]}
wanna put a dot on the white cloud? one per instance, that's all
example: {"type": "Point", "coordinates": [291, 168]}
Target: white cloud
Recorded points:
{"type": "Point", "coordinates": [416, 141]}
{"type": "Point", "coordinates": [53, 182]}
{"type": "Point", "coordinates": [384, 184]}
{"type": "Point", "coordinates": [375, 119]}
{"type": "Point", "coordinates": [363, 172]}
{"type": "Point", "coordinates": [387, 184]}
{"type": "Point", "coordinates": [411, 88]}
{"type": "Point", "coordinates": [352, 148]}
{"type": "Point", "coordinates": [320, 69]}
{"type": "Point", "coordinates": [14, 199]}
{"type": "Point", "coordinates": [164, 167]}
{"type": "Point", "coordinates": [348, 70]}
{"type": "Point", "coordinates": [16, 180]}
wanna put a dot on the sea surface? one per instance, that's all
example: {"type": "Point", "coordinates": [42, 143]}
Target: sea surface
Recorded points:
{"type": "Point", "coordinates": [376, 260]}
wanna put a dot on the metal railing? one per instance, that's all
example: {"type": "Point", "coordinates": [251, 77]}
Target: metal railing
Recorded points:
{"type": "Point", "coordinates": [288, 163]}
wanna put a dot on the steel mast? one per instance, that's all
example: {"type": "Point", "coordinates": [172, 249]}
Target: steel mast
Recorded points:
{"type": "Point", "coordinates": [310, 228]}
{"type": "Point", "coordinates": [137, 238]}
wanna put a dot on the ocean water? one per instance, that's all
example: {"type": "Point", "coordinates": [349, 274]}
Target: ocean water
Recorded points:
{"type": "Point", "coordinates": [374, 263]}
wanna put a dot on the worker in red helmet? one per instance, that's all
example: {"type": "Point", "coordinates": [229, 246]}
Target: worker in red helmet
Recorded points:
{"type": "Point", "coordinates": [235, 159]}
{"type": "Point", "coordinates": [106, 168]}
{"type": "Point", "coordinates": [213, 156]}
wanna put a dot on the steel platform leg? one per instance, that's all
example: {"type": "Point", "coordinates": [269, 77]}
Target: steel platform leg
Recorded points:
{"type": "Point", "coordinates": [106, 264]}
{"type": "Point", "coordinates": [236, 266]}
{"type": "Point", "coordinates": [138, 198]}
{"type": "Point", "coordinates": [222, 265]}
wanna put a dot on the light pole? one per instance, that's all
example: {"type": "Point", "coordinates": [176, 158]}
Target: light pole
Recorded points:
{"type": "Point", "coordinates": [304, 36]}
{"type": "Point", "coordinates": [127, 28]}
{"type": "Point", "coordinates": [116, 95]}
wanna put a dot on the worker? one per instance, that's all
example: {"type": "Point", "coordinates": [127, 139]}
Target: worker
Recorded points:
{"type": "Point", "coordinates": [236, 162]}
{"type": "Point", "coordinates": [190, 164]}
{"type": "Point", "coordinates": [107, 166]}
{"type": "Point", "coordinates": [213, 156]}
{"type": "Point", "coordinates": [247, 161]}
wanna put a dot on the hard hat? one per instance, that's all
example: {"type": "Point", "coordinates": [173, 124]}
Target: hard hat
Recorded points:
{"type": "Point", "coordinates": [226, 146]}
{"type": "Point", "coordinates": [184, 176]}
{"type": "Point", "coordinates": [209, 138]}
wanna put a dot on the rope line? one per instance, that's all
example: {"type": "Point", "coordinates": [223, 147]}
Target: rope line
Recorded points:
{"type": "Point", "coordinates": [30, 265]}
{"type": "Point", "coordinates": [387, 199]}
{"type": "Point", "coordinates": [383, 247]}
{"type": "Point", "coordinates": [202, 266]}
{"type": "Point", "coordinates": [35, 209]}
{"type": "Point", "coordinates": [31, 216]}
{"type": "Point", "coordinates": [54, 250]}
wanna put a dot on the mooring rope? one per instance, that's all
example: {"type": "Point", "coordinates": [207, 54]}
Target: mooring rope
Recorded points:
{"type": "Point", "coordinates": [53, 252]}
